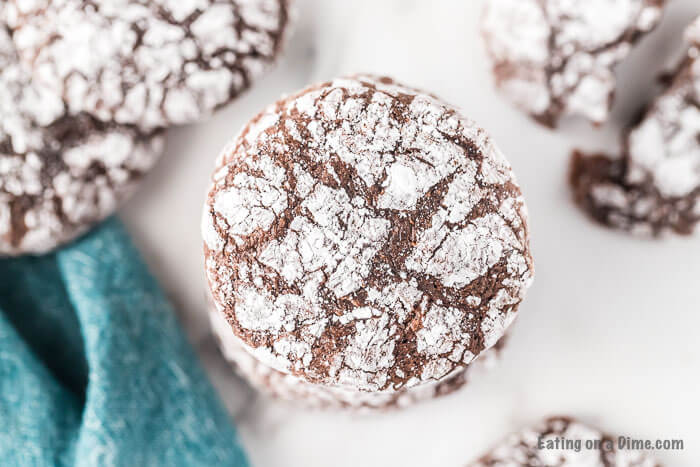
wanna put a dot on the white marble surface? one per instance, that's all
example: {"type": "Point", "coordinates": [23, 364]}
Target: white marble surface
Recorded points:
{"type": "Point", "coordinates": [608, 331]}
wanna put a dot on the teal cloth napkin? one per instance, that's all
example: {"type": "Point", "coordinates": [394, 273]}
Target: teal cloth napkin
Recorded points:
{"type": "Point", "coordinates": [94, 369]}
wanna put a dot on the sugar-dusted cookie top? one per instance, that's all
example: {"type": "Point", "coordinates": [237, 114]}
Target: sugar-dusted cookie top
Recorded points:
{"type": "Point", "coordinates": [59, 173]}
{"type": "Point", "coordinates": [364, 234]}
{"type": "Point", "coordinates": [554, 58]}
{"type": "Point", "coordinates": [654, 187]}
{"type": "Point", "coordinates": [151, 63]}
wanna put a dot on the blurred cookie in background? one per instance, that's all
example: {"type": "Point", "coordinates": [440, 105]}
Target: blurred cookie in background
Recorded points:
{"type": "Point", "coordinates": [563, 442]}
{"type": "Point", "coordinates": [59, 172]}
{"type": "Point", "coordinates": [555, 58]}
{"type": "Point", "coordinates": [655, 186]}
{"type": "Point", "coordinates": [147, 63]}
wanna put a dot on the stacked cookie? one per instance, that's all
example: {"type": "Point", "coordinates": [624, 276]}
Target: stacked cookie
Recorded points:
{"type": "Point", "coordinates": [365, 245]}
{"type": "Point", "coordinates": [87, 87]}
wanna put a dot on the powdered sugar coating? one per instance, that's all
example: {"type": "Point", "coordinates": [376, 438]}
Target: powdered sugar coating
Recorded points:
{"type": "Point", "coordinates": [297, 390]}
{"type": "Point", "coordinates": [656, 185]}
{"type": "Point", "coordinates": [333, 271]}
{"type": "Point", "coordinates": [58, 173]}
{"type": "Point", "coordinates": [665, 147]}
{"type": "Point", "coordinates": [555, 57]}
{"type": "Point", "coordinates": [520, 449]}
{"type": "Point", "coordinates": [149, 63]}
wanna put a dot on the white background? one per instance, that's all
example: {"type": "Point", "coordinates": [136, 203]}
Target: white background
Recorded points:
{"type": "Point", "coordinates": [609, 330]}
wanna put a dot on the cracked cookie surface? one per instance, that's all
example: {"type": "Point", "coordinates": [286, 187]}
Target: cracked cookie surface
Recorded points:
{"type": "Point", "coordinates": [149, 63]}
{"type": "Point", "coordinates": [362, 234]}
{"type": "Point", "coordinates": [58, 173]}
{"type": "Point", "coordinates": [655, 186]}
{"type": "Point", "coordinates": [554, 58]}
{"type": "Point", "coordinates": [521, 449]}
{"type": "Point", "coordinates": [294, 389]}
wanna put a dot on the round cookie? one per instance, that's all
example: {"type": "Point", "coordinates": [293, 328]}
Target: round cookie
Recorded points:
{"type": "Point", "coordinates": [364, 235]}
{"type": "Point", "coordinates": [151, 63]}
{"type": "Point", "coordinates": [655, 186]}
{"type": "Point", "coordinates": [554, 58]}
{"type": "Point", "coordinates": [58, 173]}
{"type": "Point", "coordinates": [297, 390]}
{"type": "Point", "coordinates": [543, 445]}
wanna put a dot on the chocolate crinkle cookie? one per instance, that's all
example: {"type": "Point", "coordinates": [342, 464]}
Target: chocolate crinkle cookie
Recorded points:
{"type": "Point", "coordinates": [59, 173]}
{"type": "Point", "coordinates": [555, 58]}
{"type": "Point", "coordinates": [563, 442]}
{"type": "Point", "coordinates": [363, 235]}
{"type": "Point", "coordinates": [655, 186]}
{"type": "Point", "coordinates": [151, 63]}
{"type": "Point", "coordinates": [291, 388]}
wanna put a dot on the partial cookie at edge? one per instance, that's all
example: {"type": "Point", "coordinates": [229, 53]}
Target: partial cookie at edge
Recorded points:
{"type": "Point", "coordinates": [58, 173]}
{"type": "Point", "coordinates": [655, 186]}
{"type": "Point", "coordinates": [160, 63]}
{"type": "Point", "coordinates": [554, 58]}
{"type": "Point", "coordinates": [521, 449]}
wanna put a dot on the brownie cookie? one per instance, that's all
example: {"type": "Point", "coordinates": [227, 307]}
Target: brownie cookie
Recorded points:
{"type": "Point", "coordinates": [521, 449]}
{"type": "Point", "coordinates": [555, 58]}
{"type": "Point", "coordinates": [292, 388]}
{"type": "Point", "coordinates": [58, 173]}
{"type": "Point", "coordinates": [150, 63]}
{"type": "Point", "coordinates": [364, 235]}
{"type": "Point", "coordinates": [655, 186]}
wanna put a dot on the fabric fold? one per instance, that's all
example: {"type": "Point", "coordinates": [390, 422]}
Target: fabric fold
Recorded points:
{"type": "Point", "coordinates": [94, 368]}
